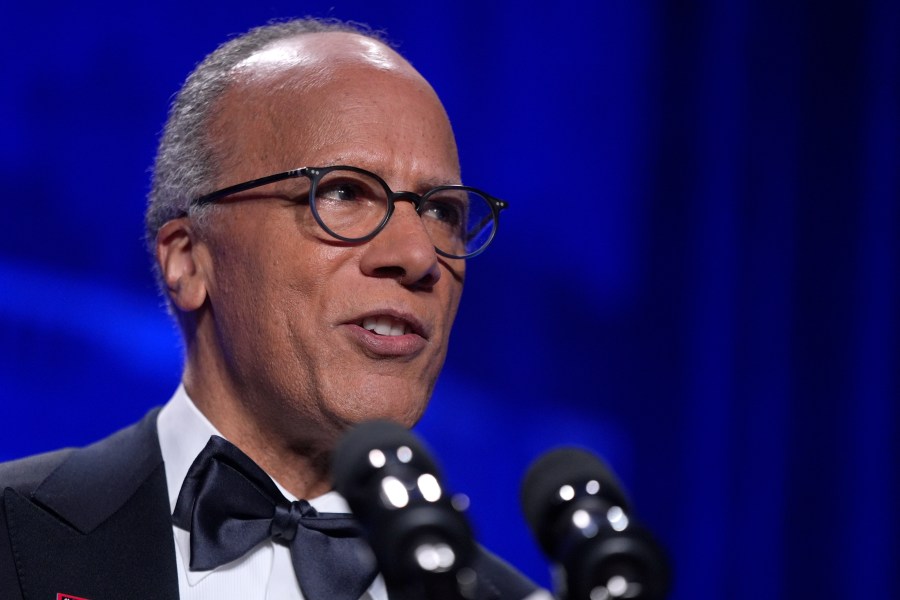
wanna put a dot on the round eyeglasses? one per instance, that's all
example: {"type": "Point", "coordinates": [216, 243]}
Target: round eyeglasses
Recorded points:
{"type": "Point", "coordinates": [353, 205]}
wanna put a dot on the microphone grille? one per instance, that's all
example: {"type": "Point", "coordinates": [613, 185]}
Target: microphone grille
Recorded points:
{"type": "Point", "coordinates": [557, 468]}
{"type": "Point", "coordinates": [350, 462]}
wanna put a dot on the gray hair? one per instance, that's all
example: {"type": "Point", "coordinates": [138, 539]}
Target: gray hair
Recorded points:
{"type": "Point", "coordinates": [188, 159]}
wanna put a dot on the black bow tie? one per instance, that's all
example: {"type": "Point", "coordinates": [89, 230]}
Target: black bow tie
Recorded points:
{"type": "Point", "coordinates": [230, 505]}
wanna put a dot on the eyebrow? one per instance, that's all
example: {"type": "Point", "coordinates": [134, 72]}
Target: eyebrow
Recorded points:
{"type": "Point", "coordinates": [422, 185]}
{"type": "Point", "coordinates": [428, 184]}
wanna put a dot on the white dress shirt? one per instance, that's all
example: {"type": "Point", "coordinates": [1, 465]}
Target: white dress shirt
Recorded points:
{"type": "Point", "coordinates": [264, 573]}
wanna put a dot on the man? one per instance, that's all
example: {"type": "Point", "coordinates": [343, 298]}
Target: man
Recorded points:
{"type": "Point", "coordinates": [309, 300]}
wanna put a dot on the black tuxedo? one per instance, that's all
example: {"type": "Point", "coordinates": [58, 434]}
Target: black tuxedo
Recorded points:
{"type": "Point", "coordinates": [94, 523]}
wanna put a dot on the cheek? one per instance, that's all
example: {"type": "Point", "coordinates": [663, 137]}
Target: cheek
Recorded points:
{"type": "Point", "coordinates": [256, 283]}
{"type": "Point", "coordinates": [268, 257]}
{"type": "Point", "coordinates": [454, 278]}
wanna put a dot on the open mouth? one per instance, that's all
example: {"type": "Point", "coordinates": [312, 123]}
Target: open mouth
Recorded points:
{"type": "Point", "coordinates": [386, 325]}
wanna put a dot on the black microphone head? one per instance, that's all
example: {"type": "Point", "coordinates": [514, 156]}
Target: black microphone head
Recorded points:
{"type": "Point", "coordinates": [393, 488]}
{"type": "Point", "coordinates": [568, 466]}
{"type": "Point", "coordinates": [579, 514]}
{"type": "Point", "coordinates": [352, 462]}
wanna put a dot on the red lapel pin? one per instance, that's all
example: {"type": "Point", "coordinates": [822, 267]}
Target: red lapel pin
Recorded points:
{"type": "Point", "coordinates": [68, 597]}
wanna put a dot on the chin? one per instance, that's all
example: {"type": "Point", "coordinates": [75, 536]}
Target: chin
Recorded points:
{"type": "Point", "coordinates": [396, 407]}
{"type": "Point", "coordinates": [399, 398]}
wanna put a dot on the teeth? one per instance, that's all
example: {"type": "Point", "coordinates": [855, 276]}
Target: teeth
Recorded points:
{"type": "Point", "coordinates": [385, 325]}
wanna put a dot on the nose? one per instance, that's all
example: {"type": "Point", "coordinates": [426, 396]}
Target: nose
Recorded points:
{"type": "Point", "coordinates": [403, 251]}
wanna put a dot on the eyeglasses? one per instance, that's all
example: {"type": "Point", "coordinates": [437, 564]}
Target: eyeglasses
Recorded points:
{"type": "Point", "coordinates": [353, 205]}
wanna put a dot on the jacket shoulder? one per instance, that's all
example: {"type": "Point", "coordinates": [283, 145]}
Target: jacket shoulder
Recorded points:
{"type": "Point", "coordinates": [119, 462]}
{"type": "Point", "coordinates": [25, 474]}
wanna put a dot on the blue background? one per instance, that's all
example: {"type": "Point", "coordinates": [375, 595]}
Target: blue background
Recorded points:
{"type": "Point", "coordinates": [698, 277]}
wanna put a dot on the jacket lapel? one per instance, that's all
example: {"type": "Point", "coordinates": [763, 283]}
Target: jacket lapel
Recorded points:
{"type": "Point", "coordinates": [99, 526]}
{"type": "Point", "coordinates": [497, 579]}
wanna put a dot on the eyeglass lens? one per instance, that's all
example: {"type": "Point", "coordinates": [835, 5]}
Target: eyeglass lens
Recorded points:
{"type": "Point", "coordinates": [353, 205]}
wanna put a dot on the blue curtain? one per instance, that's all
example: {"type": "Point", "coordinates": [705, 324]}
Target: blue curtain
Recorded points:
{"type": "Point", "coordinates": [699, 277]}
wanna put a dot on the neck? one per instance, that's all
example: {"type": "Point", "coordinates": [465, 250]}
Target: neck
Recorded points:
{"type": "Point", "coordinates": [294, 454]}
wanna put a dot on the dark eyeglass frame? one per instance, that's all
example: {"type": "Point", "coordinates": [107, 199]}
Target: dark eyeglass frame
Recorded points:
{"type": "Point", "coordinates": [315, 175]}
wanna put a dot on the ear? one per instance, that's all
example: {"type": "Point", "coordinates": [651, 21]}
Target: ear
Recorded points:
{"type": "Point", "coordinates": [179, 264]}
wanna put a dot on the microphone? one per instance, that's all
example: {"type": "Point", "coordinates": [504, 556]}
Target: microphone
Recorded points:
{"type": "Point", "coordinates": [581, 518]}
{"type": "Point", "coordinates": [422, 543]}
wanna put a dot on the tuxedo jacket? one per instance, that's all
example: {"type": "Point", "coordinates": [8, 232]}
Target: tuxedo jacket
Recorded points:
{"type": "Point", "coordinates": [94, 523]}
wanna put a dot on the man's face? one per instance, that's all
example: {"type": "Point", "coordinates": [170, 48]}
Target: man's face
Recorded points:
{"type": "Point", "coordinates": [289, 306]}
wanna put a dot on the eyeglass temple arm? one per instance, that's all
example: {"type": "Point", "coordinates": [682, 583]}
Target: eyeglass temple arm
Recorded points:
{"type": "Point", "coordinates": [248, 185]}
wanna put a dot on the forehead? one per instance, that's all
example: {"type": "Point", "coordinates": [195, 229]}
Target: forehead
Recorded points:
{"type": "Point", "coordinates": [321, 50]}
{"type": "Point", "coordinates": [326, 98]}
